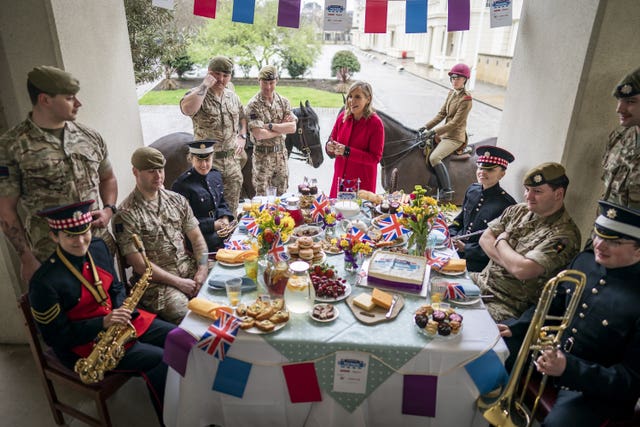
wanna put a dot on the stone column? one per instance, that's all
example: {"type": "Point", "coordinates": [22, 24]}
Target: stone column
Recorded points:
{"type": "Point", "coordinates": [569, 55]}
{"type": "Point", "coordinates": [88, 38]}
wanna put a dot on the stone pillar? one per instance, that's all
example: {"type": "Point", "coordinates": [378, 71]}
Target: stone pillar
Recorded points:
{"type": "Point", "coordinates": [88, 38]}
{"type": "Point", "coordinates": [559, 105]}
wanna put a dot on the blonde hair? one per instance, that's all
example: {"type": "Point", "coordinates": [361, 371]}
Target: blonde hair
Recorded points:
{"type": "Point", "coordinates": [368, 92]}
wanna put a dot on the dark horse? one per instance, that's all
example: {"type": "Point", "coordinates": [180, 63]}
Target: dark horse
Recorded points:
{"type": "Point", "coordinates": [404, 153]}
{"type": "Point", "coordinates": [302, 145]}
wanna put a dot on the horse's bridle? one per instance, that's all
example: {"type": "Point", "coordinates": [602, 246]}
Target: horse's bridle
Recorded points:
{"type": "Point", "coordinates": [305, 150]}
{"type": "Point", "coordinates": [389, 160]}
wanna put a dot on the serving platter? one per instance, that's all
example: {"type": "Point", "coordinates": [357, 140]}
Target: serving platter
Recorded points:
{"type": "Point", "coordinates": [347, 292]}
{"type": "Point", "coordinates": [377, 314]}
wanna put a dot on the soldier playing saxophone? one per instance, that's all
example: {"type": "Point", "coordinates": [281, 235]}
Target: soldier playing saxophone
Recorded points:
{"type": "Point", "coordinates": [76, 294]}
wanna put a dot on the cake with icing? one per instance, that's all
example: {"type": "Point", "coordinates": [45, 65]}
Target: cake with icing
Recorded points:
{"type": "Point", "coordinates": [397, 271]}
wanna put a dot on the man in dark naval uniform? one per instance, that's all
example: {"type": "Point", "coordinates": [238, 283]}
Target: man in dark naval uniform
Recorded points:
{"type": "Point", "coordinates": [483, 201]}
{"type": "Point", "coordinates": [76, 294]}
{"type": "Point", "coordinates": [597, 366]}
{"type": "Point", "coordinates": [202, 187]}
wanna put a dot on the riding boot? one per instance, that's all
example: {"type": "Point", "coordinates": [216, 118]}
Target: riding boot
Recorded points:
{"type": "Point", "coordinates": [444, 183]}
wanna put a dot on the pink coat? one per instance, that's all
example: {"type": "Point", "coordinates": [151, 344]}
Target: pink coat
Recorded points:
{"type": "Point", "coordinates": [365, 139]}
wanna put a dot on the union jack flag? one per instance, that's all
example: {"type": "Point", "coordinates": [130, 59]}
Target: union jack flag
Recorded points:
{"type": "Point", "coordinates": [440, 224]}
{"type": "Point", "coordinates": [391, 228]}
{"type": "Point", "coordinates": [319, 206]}
{"type": "Point", "coordinates": [436, 261]}
{"type": "Point", "coordinates": [277, 250]}
{"type": "Point", "coordinates": [220, 335]}
{"type": "Point", "coordinates": [250, 223]}
{"type": "Point", "coordinates": [455, 292]}
{"type": "Point", "coordinates": [358, 235]}
{"type": "Point", "coordinates": [237, 245]}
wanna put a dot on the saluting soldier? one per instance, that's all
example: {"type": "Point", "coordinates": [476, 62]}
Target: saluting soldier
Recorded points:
{"type": "Point", "coordinates": [202, 186]}
{"type": "Point", "coordinates": [162, 219]}
{"type": "Point", "coordinates": [528, 244]}
{"type": "Point", "coordinates": [621, 161]}
{"type": "Point", "coordinates": [49, 160]}
{"type": "Point", "coordinates": [218, 114]}
{"type": "Point", "coordinates": [270, 118]}
{"type": "Point", "coordinates": [597, 366]}
{"type": "Point", "coordinates": [483, 201]}
{"type": "Point", "coordinates": [76, 294]}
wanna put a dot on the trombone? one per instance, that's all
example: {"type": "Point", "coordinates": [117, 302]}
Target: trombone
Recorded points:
{"type": "Point", "coordinates": [505, 411]}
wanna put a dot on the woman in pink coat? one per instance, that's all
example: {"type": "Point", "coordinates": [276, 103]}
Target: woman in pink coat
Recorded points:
{"type": "Point", "coordinates": [357, 140]}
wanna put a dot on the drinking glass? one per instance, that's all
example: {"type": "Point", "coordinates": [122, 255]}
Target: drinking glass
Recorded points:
{"type": "Point", "coordinates": [234, 291]}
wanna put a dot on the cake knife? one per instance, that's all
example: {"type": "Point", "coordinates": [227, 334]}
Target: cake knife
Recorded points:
{"type": "Point", "coordinates": [393, 304]}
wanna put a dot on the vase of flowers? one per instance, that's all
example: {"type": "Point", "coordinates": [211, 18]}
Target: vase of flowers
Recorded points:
{"type": "Point", "coordinates": [418, 216]}
{"type": "Point", "coordinates": [355, 249]}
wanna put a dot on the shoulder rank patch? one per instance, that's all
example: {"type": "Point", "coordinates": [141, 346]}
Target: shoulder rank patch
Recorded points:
{"type": "Point", "coordinates": [467, 98]}
{"type": "Point", "coordinates": [253, 116]}
{"type": "Point", "coordinates": [118, 227]}
{"type": "Point", "coordinates": [560, 245]}
{"type": "Point", "coordinates": [47, 316]}
{"type": "Point", "coordinates": [4, 171]}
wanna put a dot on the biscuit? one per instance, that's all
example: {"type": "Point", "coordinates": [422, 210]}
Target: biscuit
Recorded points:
{"type": "Point", "coordinates": [247, 322]}
{"type": "Point", "coordinates": [317, 247]}
{"type": "Point", "coordinates": [265, 325]}
{"type": "Point", "coordinates": [266, 312]}
{"type": "Point", "coordinates": [293, 249]}
{"type": "Point", "coordinates": [280, 316]}
{"type": "Point", "coordinates": [306, 254]}
{"type": "Point", "coordinates": [305, 242]}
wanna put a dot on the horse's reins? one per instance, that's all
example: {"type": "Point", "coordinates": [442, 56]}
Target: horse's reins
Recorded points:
{"type": "Point", "coordinates": [305, 150]}
{"type": "Point", "coordinates": [417, 142]}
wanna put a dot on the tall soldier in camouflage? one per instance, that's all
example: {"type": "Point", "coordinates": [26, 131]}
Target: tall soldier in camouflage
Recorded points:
{"type": "Point", "coordinates": [161, 218]}
{"type": "Point", "coordinates": [50, 160]}
{"type": "Point", "coordinates": [217, 114]}
{"type": "Point", "coordinates": [270, 118]}
{"type": "Point", "coordinates": [621, 161]}
{"type": "Point", "coordinates": [528, 244]}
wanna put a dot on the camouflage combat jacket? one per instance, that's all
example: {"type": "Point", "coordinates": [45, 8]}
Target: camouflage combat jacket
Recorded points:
{"type": "Point", "coordinates": [259, 113]}
{"type": "Point", "coordinates": [454, 112]}
{"type": "Point", "coordinates": [621, 167]}
{"type": "Point", "coordinates": [45, 172]}
{"type": "Point", "coordinates": [219, 119]}
{"type": "Point", "coordinates": [161, 224]}
{"type": "Point", "coordinates": [552, 242]}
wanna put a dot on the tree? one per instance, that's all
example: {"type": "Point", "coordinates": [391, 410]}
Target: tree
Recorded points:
{"type": "Point", "coordinates": [344, 64]}
{"type": "Point", "coordinates": [256, 44]}
{"type": "Point", "coordinates": [182, 64]}
{"type": "Point", "coordinates": [156, 38]}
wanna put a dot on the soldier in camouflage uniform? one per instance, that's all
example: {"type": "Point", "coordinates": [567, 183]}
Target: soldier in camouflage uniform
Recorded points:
{"type": "Point", "coordinates": [217, 114]}
{"type": "Point", "coordinates": [621, 161]}
{"type": "Point", "coordinates": [50, 160]}
{"type": "Point", "coordinates": [161, 218]}
{"type": "Point", "coordinates": [528, 244]}
{"type": "Point", "coordinates": [270, 118]}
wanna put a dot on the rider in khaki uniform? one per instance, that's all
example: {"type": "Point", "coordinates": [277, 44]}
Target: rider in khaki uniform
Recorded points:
{"type": "Point", "coordinates": [528, 244]}
{"type": "Point", "coordinates": [217, 114]}
{"type": "Point", "coordinates": [270, 118]}
{"type": "Point", "coordinates": [453, 134]}
{"type": "Point", "coordinates": [49, 160]}
{"type": "Point", "coordinates": [162, 219]}
{"type": "Point", "coordinates": [621, 161]}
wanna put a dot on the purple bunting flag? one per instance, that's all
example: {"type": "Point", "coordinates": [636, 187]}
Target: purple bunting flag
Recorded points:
{"type": "Point", "coordinates": [459, 15]}
{"type": "Point", "coordinates": [289, 13]}
{"type": "Point", "coordinates": [419, 395]}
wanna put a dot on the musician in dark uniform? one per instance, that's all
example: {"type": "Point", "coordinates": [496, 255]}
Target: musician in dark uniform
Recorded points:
{"type": "Point", "coordinates": [202, 187]}
{"type": "Point", "coordinates": [597, 366]}
{"type": "Point", "coordinates": [76, 294]}
{"type": "Point", "coordinates": [483, 201]}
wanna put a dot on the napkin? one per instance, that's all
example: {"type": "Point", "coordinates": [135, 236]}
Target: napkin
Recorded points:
{"type": "Point", "coordinates": [206, 308]}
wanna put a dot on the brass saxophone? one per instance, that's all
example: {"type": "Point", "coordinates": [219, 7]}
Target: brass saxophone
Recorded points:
{"type": "Point", "coordinates": [109, 348]}
{"type": "Point", "coordinates": [508, 410]}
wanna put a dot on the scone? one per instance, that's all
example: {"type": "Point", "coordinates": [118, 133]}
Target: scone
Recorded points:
{"type": "Point", "coordinates": [265, 325]}
{"type": "Point", "coordinates": [247, 322]}
{"type": "Point", "coordinates": [305, 242]}
{"type": "Point", "coordinates": [306, 254]}
{"type": "Point", "coordinates": [280, 316]}
{"type": "Point", "coordinates": [277, 303]}
{"type": "Point", "coordinates": [266, 312]}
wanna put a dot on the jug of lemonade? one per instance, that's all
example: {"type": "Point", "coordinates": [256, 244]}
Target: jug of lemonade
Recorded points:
{"type": "Point", "coordinates": [299, 294]}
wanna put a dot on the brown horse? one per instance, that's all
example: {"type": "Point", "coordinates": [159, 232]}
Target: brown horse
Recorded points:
{"type": "Point", "coordinates": [404, 152]}
{"type": "Point", "coordinates": [302, 145]}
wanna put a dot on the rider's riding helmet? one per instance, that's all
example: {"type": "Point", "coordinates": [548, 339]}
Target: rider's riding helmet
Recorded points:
{"type": "Point", "coordinates": [460, 70]}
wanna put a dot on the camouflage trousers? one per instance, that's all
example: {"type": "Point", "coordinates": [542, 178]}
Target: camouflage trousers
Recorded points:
{"type": "Point", "coordinates": [167, 302]}
{"type": "Point", "coordinates": [231, 171]}
{"type": "Point", "coordinates": [270, 169]}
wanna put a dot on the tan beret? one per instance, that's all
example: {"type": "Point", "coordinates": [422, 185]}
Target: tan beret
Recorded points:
{"type": "Point", "coordinates": [268, 72]}
{"type": "Point", "coordinates": [222, 64]}
{"type": "Point", "coordinates": [629, 85]}
{"type": "Point", "coordinates": [53, 81]}
{"type": "Point", "coordinates": [546, 173]}
{"type": "Point", "coordinates": [145, 158]}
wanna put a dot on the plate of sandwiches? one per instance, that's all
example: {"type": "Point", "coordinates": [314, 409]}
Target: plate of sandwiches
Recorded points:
{"type": "Point", "coordinates": [262, 316]}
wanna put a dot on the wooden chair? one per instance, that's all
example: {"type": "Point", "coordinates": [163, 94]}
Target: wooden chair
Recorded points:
{"type": "Point", "coordinates": [51, 370]}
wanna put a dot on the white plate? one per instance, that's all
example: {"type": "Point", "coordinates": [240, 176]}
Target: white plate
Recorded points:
{"type": "Point", "coordinates": [347, 292]}
{"type": "Point", "coordinates": [336, 313]}
{"type": "Point", "coordinates": [451, 273]}
{"type": "Point", "coordinates": [255, 331]}
{"type": "Point", "coordinates": [230, 265]}
{"type": "Point", "coordinates": [437, 336]}
{"type": "Point", "coordinates": [464, 302]}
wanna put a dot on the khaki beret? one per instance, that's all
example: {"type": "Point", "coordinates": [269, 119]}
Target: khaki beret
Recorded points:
{"type": "Point", "coordinates": [222, 64]}
{"type": "Point", "coordinates": [146, 158]}
{"type": "Point", "coordinates": [268, 72]}
{"type": "Point", "coordinates": [53, 81]}
{"type": "Point", "coordinates": [629, 85]}
{"type": "Point", "coordinates": [546, 173]}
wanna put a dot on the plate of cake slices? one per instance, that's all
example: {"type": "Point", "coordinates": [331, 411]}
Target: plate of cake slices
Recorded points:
{"type": "Point", "coordinates": [438, 321]}
{"type": "Point", "coordinates": [262, 316]}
